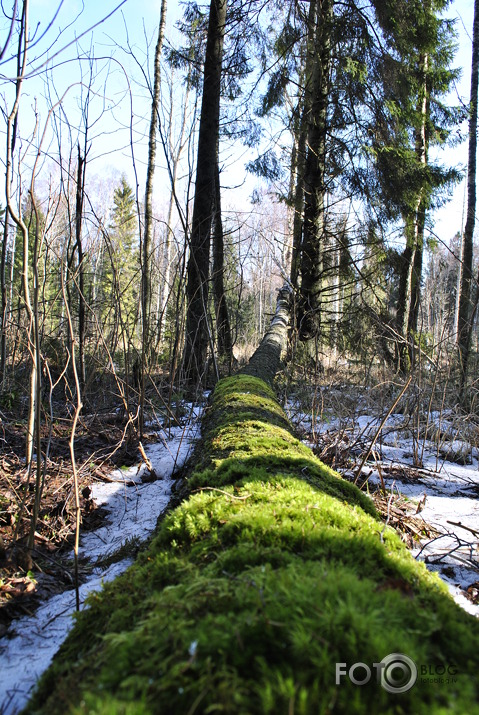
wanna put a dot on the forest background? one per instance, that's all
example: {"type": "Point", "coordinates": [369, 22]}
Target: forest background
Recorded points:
{"type": "Point", "coordinates": [106, 311]}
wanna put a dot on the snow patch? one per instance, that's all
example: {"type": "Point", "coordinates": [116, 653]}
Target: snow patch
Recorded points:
{"type": "Point", "coordinates": [36, 639]}
{"type": "Point", "coordinates": [448, 479]}
{"type": "Point", "coordinates": [133, 509]}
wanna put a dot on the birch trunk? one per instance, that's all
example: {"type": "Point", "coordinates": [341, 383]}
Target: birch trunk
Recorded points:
{"type": "Point", "coordinates": [148, 229]}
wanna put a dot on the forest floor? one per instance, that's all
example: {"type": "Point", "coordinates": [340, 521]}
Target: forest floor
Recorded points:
{"type": "Point", "coordinates": [120, 509]}
{"type": "Point", "coordinates": [100, 447]}
{"type": "Point", "coordinates": [25, 580]}
{"type": "Point", "coordinates": [422, 473]}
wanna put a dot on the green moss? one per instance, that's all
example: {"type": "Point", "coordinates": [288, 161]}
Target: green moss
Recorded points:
{"type": "Point", "coordinates": [271, 572]}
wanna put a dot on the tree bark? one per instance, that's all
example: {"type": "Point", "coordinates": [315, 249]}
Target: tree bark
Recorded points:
{"type": "Point", "coordinates": [266, 359]}
{"type": "Point", "coordinates": [299, 156]}
{"type": "Point", "coordinates": [413, 324]}
{"type": "Point", "coordinates": [466, 312]}
{"type": "Point", "coordinates": [80, 193]}
{"type": "Point", "coordinates": [223, 328]}
{"type": "Point", "coordinates": [197, 329]}
{"type": "Point", "coordinates": [411, 262]}
{"type": "Point", "coordinates": [148, 228]}
{"type": "Point", "coordinates": [298, 202]}
{"type": "Point", "coordinates": [314, 223]}
{"type": "Point", "coordinates": [4, 299]}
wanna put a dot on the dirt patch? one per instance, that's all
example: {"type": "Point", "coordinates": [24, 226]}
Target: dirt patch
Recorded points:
{"type": "Point", "coordinates": [26, 578]}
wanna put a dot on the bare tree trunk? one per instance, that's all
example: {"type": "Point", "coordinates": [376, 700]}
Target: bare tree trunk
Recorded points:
{"type": "Point", "coordinates": [409, 281]}
{"type": "Point", "coordinates": [298, 203]}
{"type": "Point", "coordinates": [3, 289]}
{"type": "Point", "coordinates": [455, 325]}
{"type": "Point", "coordinates": [175, 156]}
{"type": "Point", "coordinates": [78, 409]}
{"type": "Point", "coordinates": [417, 273]}
{"type": "Point", "coordinates": [314, 225]}
{"type": "Point", "coordinates": [36, 376]}
{"type": "Point", "coordinates": [146, 247]}
{"type": "Point", "coordinates": [80, 193]}
{"type": "Point", "coordinates": [405, 284]}
{"type": "Point", "coordinates": [223, 329]}
{"type": "Point", "coordinates": [20, 223]}
{"type": "Point", "coordinates": [299, 158]}
{"type": "Point", "coordinates": [197, 329]}
{"type": "Point", "coordinates": [466, 311]}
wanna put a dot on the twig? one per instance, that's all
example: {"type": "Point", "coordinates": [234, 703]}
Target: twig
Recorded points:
{"type": "Point", "coordinates": [458, 523]}
{"type": "Point", "coordinates": [221, 491]}
{"type": "Point", "coordinates": [78, 409]}
{"type": "Point", "coordinates": [378, 431]}
{"type": "Point", "coordinates": [146, 460]}
{"type": "Point", "coordinates": [53, 561]}
{"type": "Point", "coordinates": [388, 515]}
{"type": "Point", "coordinates": [449, 535]}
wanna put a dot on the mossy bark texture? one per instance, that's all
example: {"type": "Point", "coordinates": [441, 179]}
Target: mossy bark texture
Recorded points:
{"type": "Point", "coordinates": [273, 571]}
{"type": "Point", "coordinates": [265, 361]}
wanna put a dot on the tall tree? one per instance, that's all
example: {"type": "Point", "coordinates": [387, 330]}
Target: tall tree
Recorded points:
{"type": "Point", "coordinates": [367, 85]}
{"type": "Point", "coordinates": [119, 267]}
{"type": "Point", "coordinates": [197, 328]}
{"type": "Point", "coordinates": [80, 194]}
{"type": "Point", "coordinates": [412, 76]}
{"type": "Point", "coordinates": [122, 233]}
{"type": "Point", "coordinates": [318, 76]}
{"type": "Point", "coordinates": [148, 227]}
{"type": "Point", "coordinates": [4, 301]}
{"type": "Point", "coordinates": [414, 220]}
{"type": "Point", "coordinates": [466, 312]}
{"type": "Point", "coordinates": [32, 332]}
{"type": "Point", "coordinates": [223, 327]}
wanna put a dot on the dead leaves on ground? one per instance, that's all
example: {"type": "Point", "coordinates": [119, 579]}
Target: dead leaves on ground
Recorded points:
{"type": "Point", "coordinates": [25, 579]}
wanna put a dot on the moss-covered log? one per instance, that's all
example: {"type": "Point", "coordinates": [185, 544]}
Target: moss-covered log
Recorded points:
{"type": "Point", "coordinates": [273, 571]}
{"type": "Point", "coordinates": [265, 361]}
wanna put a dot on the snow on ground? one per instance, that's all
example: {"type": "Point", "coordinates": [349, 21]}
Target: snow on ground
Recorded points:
{"type": "Point", "coordinates": [445, 487]}
{"type": "Point", "coordinates": [451, 506]}
{"type": "Point", "coordinates": [130, 507]}
{"type": "Point", "coordinates": [36, 639]}
{"type": "Point", "coordinates": [133, 508]}
{"type": "Point", "coordinates": [449, 492]}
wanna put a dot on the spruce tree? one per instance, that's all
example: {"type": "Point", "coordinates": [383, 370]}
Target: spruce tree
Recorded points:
{"type": "Point", "coordinates": [120, 269]}
{"type": "Point", "coordinates": [412, 76]}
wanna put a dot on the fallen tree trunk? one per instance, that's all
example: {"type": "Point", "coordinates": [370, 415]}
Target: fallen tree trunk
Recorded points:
{"type": "Point", "coordinates": [273, 588]}
{"type": "Point", "coordinates": [265, 361]}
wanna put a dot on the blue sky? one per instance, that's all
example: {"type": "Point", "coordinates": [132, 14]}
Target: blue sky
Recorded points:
{"type": "Point", "coordinates": [449, 219]}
